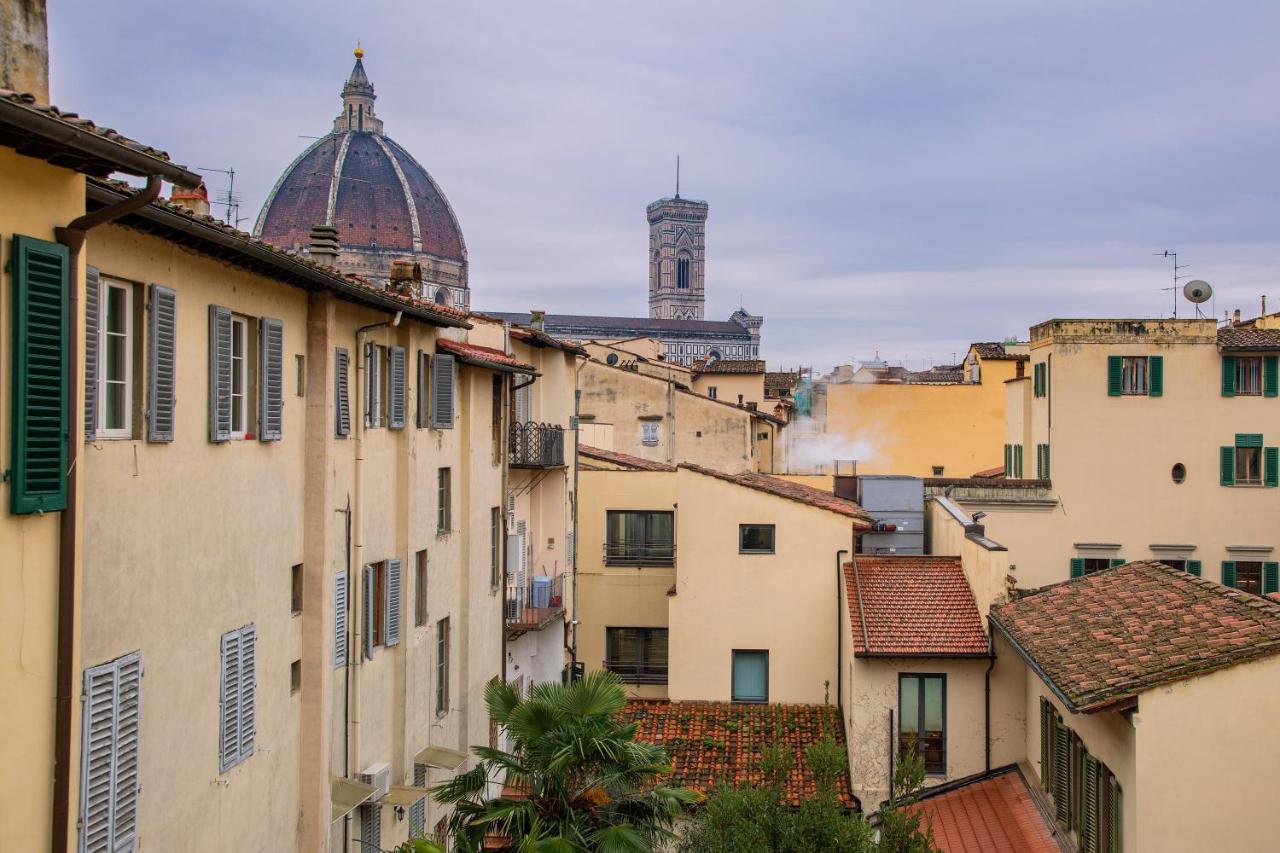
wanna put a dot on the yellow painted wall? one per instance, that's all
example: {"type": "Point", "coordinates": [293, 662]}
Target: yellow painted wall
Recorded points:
{"type": "Point", "coordinates": [730, 386]}
{"type": "Point", "coordinates": [37, 198]}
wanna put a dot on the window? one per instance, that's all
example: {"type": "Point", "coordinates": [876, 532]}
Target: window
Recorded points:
{"type": "Point", "coordinates": [496, 421]}
{"type": "Point", "coordinates": [1081, 566]}
{"type": "Point", "coordinates": [1248, 376]}
{"type": "Point", "coordinates": [1013, 461]}
{"type": "Point", "coordinates": [1040, 380]}
{"type": "Point", "coordinates": [682, 273]}
{"type": "Point", "coordinates": [637, 655]}
{"type": "Point", "coordinates": [1179, 564]}
{"type": "Point", "coordinates": [1135, 375]}
{"type": "Point", "coordinates": [922, 711]}
{"type": "Point", "coordinates": [1086, 795]}
{"type": "Point", "coordinates": [1249, 463]}
{"type": "Point", "coordinates": [938, 470]}
{"type": "Point", "coordinates": [239, 377]}
{"type": "Point", "coordinates": [443, 500]}
{"type": "Point", "coordinates": [639, 538]}
{"type": "Point", "coordinates": [418, 811]}
{"type": "Point", "coordinates": [442, 666]}
{"type": "Point", "coordinates": [237, 705]}
{"type": "Point", "coordinates": [374, 357]}
{"type": "Point", "coordinates": [750, 675]}
{"type": "Point", "coordinates": [340, 619]}
{"type": "Point", "coordinates": [378, 623]}
{"type": "Point", "coordinates": [420, 588]}
{"type": "Point", "coordinates": [1042, 462]}
{"type": "Point", "coordinates": [300, 375]}
{"type": "Point", "coordinates": [1245, 575]}
{"type": "Point", "coordinates": [424, 394]}
{"type": "Point", "coordinates": [443, 381]}
{"type": "Point", "coordinates": [1248, 466]}
{"type": "Point", "coordinates": [115, 388]}
{"type": "Point", "coordinates": [295, 677]}
{"type": "Point", "coordinates": [370, 827]}
{"type": "Point", "coordinates": [495, 535]}
{"type": "Point", "coordinates": [649, 433]}
{"type": "Point", "coordinates": [755, 538]}
{"type": "Point", "coordinates": [341, 393]}
{"type": "Point", "coordinates": [1179, 472]}
{"type": "Point", "coordinates": [109, 763]}
{"type": "Point", "coordinates": [295, 589]}
{"type": "Point", "coordinates": [711, 392]}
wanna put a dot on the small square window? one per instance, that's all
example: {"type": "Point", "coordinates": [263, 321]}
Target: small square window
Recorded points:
{"type": "Point", "coordinates": [649, 433]}
{"type": "Point", "coordinates": [1248, 376]}
{"type": "Point", "coordinates": [755, 538]}
{"type": "Point", "coordinates": [295, 592]}
{"type": "Point", "coordinates": [750, 675]}
{"type": "Point", "coordinates": [295, 677]}
{"type": "Point", "coordinates": [1133, 376]}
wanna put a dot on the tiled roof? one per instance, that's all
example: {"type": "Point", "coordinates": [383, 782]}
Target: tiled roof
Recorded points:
{"type": "Point", "coordinates": [1113, 634]}
{"type": "Point", "coordinates": [483, 356]}
{"type": "Point", "coordinates": [634, 326]}
{"type": "Point", "coordinates": [991, 351]}
{"type": "Point", "coordinates": [712, 743]}
{"type": "Point", "coordinates": [1248, 338]}
{"type": "Point", "coordinates": [729, 365]}
{"type": "Point", "coordinates": [781, 380]}
{"type": "Point", "coordinates": [789, 490]}
{"type": "Point", "coordinates": [995, 814]}
{"type": "Point", "coordinates": [989, 473]}
{"type": "Point", "coordinates": [538, 338]}
{"type": "Point", "coordinates": [934, 376]}
{"type": "Point", "coordinates": [909, 605]}
{"type": "Point", "coordinates": [624, 460]}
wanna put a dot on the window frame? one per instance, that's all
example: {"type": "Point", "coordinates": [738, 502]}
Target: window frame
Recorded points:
{"type": "Point", "coordinates": [1254, 589]}
{"type": "Point", "coordinates": [922, 678]}
{"type": "Point", "coordinates": [641, 670]}
{"type": "Point", "coordinates": [442, 666]}
{"type": "Point", "coordinates": [240, 389]}
{"type": "Point", "coordinates": [650, 434]}
{"type": "Point", "coordinates": [733, 689]}
{"type": "Point", "coordinates": [444, 501]}
{"type": "Point", "coordinates": [495, 538]}
{"type": "Point", "coordinates": [641, 554]}
{"type": "Point", "coordinates": [1243, 455]}
{"type": "Point", "coordinates": [1135, 376]}
{"type": "Point", "coordinates": [1248, 367]}
{"type": "Point", "coordinates": [421, 564]}
{"type": "Point", "coordinates": [128, 363]}
{"type": "Point", "coordinates": [773, 538]}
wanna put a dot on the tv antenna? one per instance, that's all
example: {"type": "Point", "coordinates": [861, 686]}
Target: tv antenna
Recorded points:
{"type": "Point", "coordinates": [677, 176]}
{"type": "Point", "coordinates": [1173, 256]}
{"type": "Point", "coordinates": [229, 199]}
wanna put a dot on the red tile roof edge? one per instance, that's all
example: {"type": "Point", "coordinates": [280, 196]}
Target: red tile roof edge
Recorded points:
{"type": "Point", "coordinates": [788, 490]}
{"type": "Point", "coordinates": [483, 354]}
{"type": "Point", "coordinates": [1025, 826]}
{"type": "Point", "coordinates": [633, 462]}
{"type": "Point", "coordinates": [954, 623]}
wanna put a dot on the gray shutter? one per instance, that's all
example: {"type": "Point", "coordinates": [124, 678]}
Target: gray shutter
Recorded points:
{"type": "Point", "coordinates": [424, 394]}
{"type": "Point", "coordinates": [372, 386]}
{"type": "Point", "coordinates": [109, 781]}
{"type": "Point", "coordinates": [369, 605]}
{"type": "Point", "coordinates": [219, 373]}
{"type": "Point", "coordinates": [229, 704]}
{"type": "Point", "coordinates": [92, 339]}
{"type": "Point", "coordinates": [443, 380]}
{"type": "Point", "coordinates": [340, 619]}
{"type": "Point", "coordinates": [162, 357]}
{"type": "Point", "coordinates": [124, 832]}
{"type": "Point", "coordinates": [523, 404]}
{"type": "Point", "coordinates": [248, 726]}
{"type": "Point", "coordinates": [370, 827]}
{"type": "Point", "coordinates": [396, 381]}
{"type": "Point", "coordinates": [341, 392]}
{"type": "Point", "coordinates": [393, 602]}
{"type": "Point", "coordinates": [418, 811]}
{"type": "Point", "coordinates": [270, 379]}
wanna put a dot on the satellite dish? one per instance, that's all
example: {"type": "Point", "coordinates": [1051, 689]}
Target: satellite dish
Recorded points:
{"type": "Point", "coordinates": [1197, 291]}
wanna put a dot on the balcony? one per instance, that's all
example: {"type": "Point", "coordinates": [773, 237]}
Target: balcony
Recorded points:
{"type": "Point", "coordinates": [535, 605]}
{"type": "Point", "coordinates": [638, 673]}
{"type": "Point", "coordinates": [535, 445]}
{"type": "Point", "coordinates": [628, 553]}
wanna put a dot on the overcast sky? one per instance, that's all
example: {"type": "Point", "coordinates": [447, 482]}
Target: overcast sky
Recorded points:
{"type": "Point", "coordinates": [904, 177]}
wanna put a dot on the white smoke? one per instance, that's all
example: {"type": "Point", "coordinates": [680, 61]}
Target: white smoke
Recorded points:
{"type": "Point", "coordinates": [813, 450]}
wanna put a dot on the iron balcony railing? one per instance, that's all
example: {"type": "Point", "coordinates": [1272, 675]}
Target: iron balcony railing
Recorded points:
{"type": "Point", "coordinates": [535, 445]}
{"type": "Point", "coordinates": [531, 605]}
{"type": "Point", "coordinates": [638, 673]}
{"type": "Point", "coordinates": [628, 553]}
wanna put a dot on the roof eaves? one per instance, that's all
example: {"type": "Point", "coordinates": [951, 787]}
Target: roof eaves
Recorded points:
{"type": "Point", "coordinates": [996, 625]}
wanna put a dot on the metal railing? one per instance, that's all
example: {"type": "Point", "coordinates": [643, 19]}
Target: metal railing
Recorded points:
{"type": "Point", "coordinates": [535, 445]}
{"type": "Point", "coordinates": [540, 599]}
{"type": "Point", "coordinates": [638, 673]}
{"type": "Point", "coordinates": [626, 553]}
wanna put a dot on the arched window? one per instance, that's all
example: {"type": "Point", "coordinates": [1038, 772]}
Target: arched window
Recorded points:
{"type": "Point", "coordinates": [657, 270]}
{"type": "Point", "coordinates": [442, 297]}
{"type": "Point", "coordinates": [682, 273]}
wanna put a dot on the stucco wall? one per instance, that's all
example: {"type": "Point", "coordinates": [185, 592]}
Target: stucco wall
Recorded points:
{"type": "Point", "coordinates": [986, 567]}
{"type": "Point", "coordinates": [729, 386]}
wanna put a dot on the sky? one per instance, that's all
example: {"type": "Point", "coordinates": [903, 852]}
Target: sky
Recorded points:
{"type": "Point", "coordinates": [883, 177]}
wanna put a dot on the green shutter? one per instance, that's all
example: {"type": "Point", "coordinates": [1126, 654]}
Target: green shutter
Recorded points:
{"type": "Point", "coordinates": [1113, 818]}
{"type": "Point", "coordinates": [1046, 730]}
{"type": "Point", "coordinates": [1117, 561]}
{"type": "Point", "coordinates": [1017, 460]}
{"type": "Point", "coordinates": [1047, 473]}
{"type": "Point", "coordinates": [1155, 376]}
{"type": "Point", "coordinates": [1271, 466]}
{"type": "Point", "coordinates": [1248, 439]}
{"type": "Point", "coordinates": [1228, 376]}
{"type": "Point", "coordinates": [1008, 460]}
{"type": "Point", "coordinates": [1270, 577]}
{"type": "Point", "coordinates": [1193, 567]}
{"type": "Point", "coordinates": [1061, 778]}
{"type": "Point", "coordinates": [1270, 376]}
{"type": "Point", "coordinates": [41, 420]}
{"type": "Point", "coordinates": [1090, 828]}
{"type": "Point", "coordinates": [1228, 573]}
{"type": "Point", "coordinates": [1077, 567]}
{"type": "Point", "coordinates": [1115, 375]}
{"type": "Point", "coordinates": [1228, 465]}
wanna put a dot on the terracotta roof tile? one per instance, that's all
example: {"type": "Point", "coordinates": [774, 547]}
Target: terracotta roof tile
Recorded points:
{"type": "Point", "coordinates": [991, 351]}
{"type": "Point", "coordinates": [993, 815]}
{"type": "Point", "coordinates": [989, 473]}
{"type": "Point", "coordinates": [536, 337]}
{"type": "Point", "coordinates": [1247, 338]}
{"type": "Point", "coordinates": [624, 460]}
{"type": "Point", "coordinates": [789, 490]}
{"type": "Point", "coordinates": [729, 365]}
{"type": "Point", "coordinates": [483, 355]}
{"type": "Point", "coordinates": [779, 380]}
{"type": "Point", "coordinates": [1135, 627]}
{"type": "Point", "coordinates": [712, 743]}
{"type": "Point", "coordinates": [909, 605]}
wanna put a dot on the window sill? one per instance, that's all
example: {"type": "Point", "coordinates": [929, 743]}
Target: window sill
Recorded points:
{"type": "Point", "coordinates": [740, 551]}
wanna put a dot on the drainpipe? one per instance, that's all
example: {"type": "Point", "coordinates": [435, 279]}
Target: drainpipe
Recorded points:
{"type": "Point", "coordinates": [577, 500]}
{"type": "Point", "coordinates": [986, 721]}
{"type": "Point", "coordinates": [839, 633]}
{"type": "Point", "coordinates": [72, 236]}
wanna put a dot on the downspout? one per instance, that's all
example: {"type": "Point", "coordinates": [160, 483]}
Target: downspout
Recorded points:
{"type": "Point", "coordinates": [346, 679]}
{"type": "Point", "coordinates": [839, 632]}
{"type": "Point", "coordinates": [72, 236]}
{"type": "Point", "coordinates": [986, 721]}
{"type": "Point", "coordinates": [577, 500]}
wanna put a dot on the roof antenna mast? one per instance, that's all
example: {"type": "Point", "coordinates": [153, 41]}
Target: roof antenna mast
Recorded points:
{"type": "Point", "coordinates": [677, 176]}
{"type": "Point", "coordinates": [1173, 256]}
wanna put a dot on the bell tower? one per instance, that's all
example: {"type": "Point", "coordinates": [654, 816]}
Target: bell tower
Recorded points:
{"type": "Point", "coordinates": [677, 258]}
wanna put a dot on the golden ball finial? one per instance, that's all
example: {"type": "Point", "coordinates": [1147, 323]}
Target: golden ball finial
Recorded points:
{"type": "Point", "coordinates": [359, 51]}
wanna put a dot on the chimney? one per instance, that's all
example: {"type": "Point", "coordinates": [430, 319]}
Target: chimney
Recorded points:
{"type": "Point", "coordinates": [406, 278]}
{"type": "Point", "coordinates": [323, 246]}
{"type": "Point", "coordinates": [1235, 318]}
{"type": "Point", "coordinates": [196, 200]}
{"type": "Point", "coordinates": [538, 318]}
{"type": "Point", "coordinates": [24, 48]}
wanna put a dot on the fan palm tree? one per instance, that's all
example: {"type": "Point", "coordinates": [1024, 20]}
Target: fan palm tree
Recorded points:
{"type": "Point", "coordinates": [575, 780]}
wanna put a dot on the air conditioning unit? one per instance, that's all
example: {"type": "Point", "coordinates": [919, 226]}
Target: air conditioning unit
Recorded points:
{"type": "Point", "coordinates": [379, 776]}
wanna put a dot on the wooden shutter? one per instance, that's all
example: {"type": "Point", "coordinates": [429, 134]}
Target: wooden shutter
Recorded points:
{"type": "Point", "coordinates": [1046, 743]}
{"type": "Point", "coordinates": [1228, 573]}
{"type": "Point", "coordinates": [1248, 439]}
{"type": "Point", "coordinates": [229, 704]}
{"type": "Point", "coordinates": [1115, 375]}
{"type": "Point", "coordinates": [1048, 473]}
{"type": "Point", "coordinates": [1227, 465]}
{"type": "Point", "coordinates": [418, 811]}
{"type": "Point", "coordinates": [41, 408]}
{"type": "Point", "coordinates": [109, 778]}
{"type": "Point", "coordinates": [341, 392]}
{"type": "Point", "coordinates": [424, 391]}
{"type": "Point", "coordinates": [1017, 460]}
{"type": "Point", "coordinates": [1008, 460]}
{"type": "Point", "coordinates": [1271, 466]}
{"type": "Point", "coordinates": [1077, 567]}
{"type": "Point", "coordinates": [1228, 376]}
{"type": "Point", "coordinates": [162, 357]}
{"type": "Point", "coordinates": [340, 619]}
{"type": "Point", "coordinates": [1155, 376]}
{"type": "Point", "coordinates": [1061, 777]}
{"type": "Point", "coordinates": [1270, 376]}
{"type": "Point", "coordinates": [369, 610]}
{"type": "Point", "coordinates": [443, 391]}
{"type": "Point", "coordinates": [219, 373]}
{"type": "Point", "coordinates": [1270, 578]}
{"type": "Point", "coordinates": [271, 379]}
{"type": "Point", "coordinates": [1113, 816]}
{"type": "Point", "coordinates": [393, 602]}
{"type": "Point", "coordinates": [248, 726]}
{"type": "Point", "coordinates": [1117, 561]}
{"type": "Point", "coordinates": [92, 343]}
{"type": "Point", "coordinates": [370, 827]}
{"type": "Point", "coordinates": [396, 381]}
{"type": "Point", "coordinates": [1193, 567]}
{"type": "Point", "coordinates": [1091, 822]}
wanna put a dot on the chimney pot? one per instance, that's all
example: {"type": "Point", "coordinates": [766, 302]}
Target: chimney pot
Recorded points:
{"type": "Point", "coordinates": [538, 318]}
{"type": "Point", "coordinates": [196, 200]}
{"type": "Point", "coordinates": [323, 245]}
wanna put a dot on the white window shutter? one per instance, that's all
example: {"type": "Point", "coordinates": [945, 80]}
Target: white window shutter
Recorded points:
{"type": "Point", "coordinates": [393, 602]}
{"type": "Point", "coordinates": [443, 382]}
{"type": "Point", "coordinates": [341, 392]}
{"type": "Point", "coordinates": [396, 381]}
{"type": "Point", "coordinates": [248, 726]}
{"type": "Point", "coordinates": [340, 619]}
{"type": "Point", "coordinates": [92, 338]}
{"type": "Point", "coordinates": [162, 356]}
{"type": "Point", "coordinates": [270, 379]}
{"type": "Point", "coordinates": [219, 373]}
{"type": "Point", "coordinates": [523, 404]}
{"type": "Point", "coordinates": [229, 704]}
